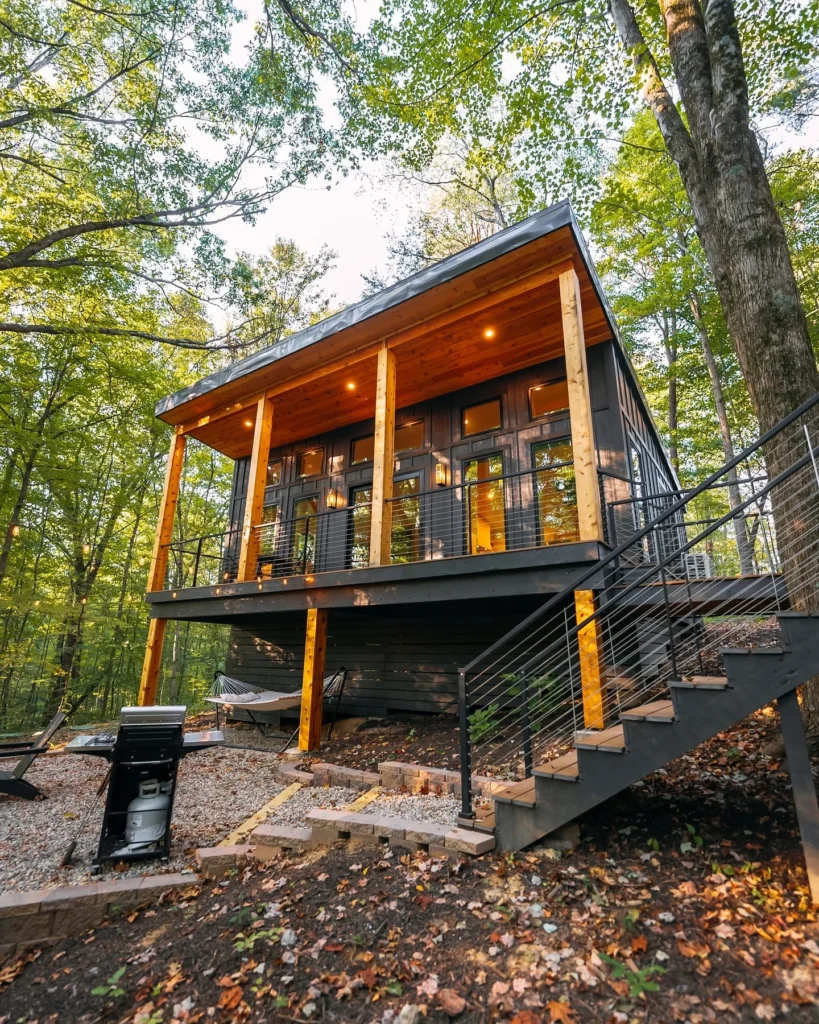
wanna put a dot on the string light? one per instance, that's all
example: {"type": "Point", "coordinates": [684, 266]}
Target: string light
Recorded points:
{"type": "Point", "coordinates": [15, 530]}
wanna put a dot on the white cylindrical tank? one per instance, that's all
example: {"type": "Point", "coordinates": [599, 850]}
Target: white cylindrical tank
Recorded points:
{"type": "Point", "coordinates": [148, 812]}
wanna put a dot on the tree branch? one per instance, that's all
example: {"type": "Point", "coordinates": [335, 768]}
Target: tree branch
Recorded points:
{"type": "Point", "coordinates": [654, 90]}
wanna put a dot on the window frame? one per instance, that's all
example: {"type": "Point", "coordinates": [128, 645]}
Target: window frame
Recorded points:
{"type": "Point", "coordinates": [301, 455]}
{"type": "Point", "coordinates": [412, 448]}
{"type": "Point", "coordinates": [475, 405]}
{"type": "Point", "coordinates": [547, 416]}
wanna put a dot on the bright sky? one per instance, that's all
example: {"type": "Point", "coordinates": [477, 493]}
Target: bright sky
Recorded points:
{"type": "Point", "coordinates": [352, 218]}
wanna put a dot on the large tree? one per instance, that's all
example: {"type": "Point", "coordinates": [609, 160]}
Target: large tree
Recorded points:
{"type": "Point", "coordinates": [129, 130]}
{"type": "Point", "coordinates": [571, 73]}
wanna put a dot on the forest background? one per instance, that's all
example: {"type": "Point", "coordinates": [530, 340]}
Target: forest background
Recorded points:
{"type": "Point", "coordinates": [132, 133]}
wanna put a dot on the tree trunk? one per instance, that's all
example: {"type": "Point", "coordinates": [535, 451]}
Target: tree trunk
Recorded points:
{"type": "Point", "coordinates": [724, 176]}
{"type": "Point", "coordinates": [744, 549]}
{"type": "Point", "coordinates": [670, 345]}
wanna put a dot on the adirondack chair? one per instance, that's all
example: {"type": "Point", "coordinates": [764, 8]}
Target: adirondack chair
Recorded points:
{"type": "Point", "coordinates": [11, 780]}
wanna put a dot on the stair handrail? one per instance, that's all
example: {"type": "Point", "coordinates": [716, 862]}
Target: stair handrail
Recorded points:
{"type": "Point", "coordinates": [466, 812]}
{"type": "Point", "coordinates": [616, 553]}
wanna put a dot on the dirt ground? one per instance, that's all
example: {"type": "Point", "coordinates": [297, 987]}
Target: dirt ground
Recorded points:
{"type": "Point", "coordinates": [686, 901]}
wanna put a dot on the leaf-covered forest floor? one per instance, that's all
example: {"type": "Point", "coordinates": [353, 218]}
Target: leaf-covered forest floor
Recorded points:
{"type": "Point", "coordinates": [686, 901]}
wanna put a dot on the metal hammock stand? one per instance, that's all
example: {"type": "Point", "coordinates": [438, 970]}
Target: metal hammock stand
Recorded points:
{"type": "Point", "coordinates": [229, 692]}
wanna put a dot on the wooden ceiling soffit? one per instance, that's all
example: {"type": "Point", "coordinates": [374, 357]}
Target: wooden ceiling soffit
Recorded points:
{"type": "Point", "coordinates": [468, 307]}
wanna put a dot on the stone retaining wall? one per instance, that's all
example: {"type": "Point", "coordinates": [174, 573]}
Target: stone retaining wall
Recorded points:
{"type": "Point", "coordinates": [42, 917]}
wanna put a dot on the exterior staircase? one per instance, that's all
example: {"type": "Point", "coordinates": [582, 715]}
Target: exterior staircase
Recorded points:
{"type": "Point", "coordinates": [604, 762]}
{"type": "Point", "coordinates": [607, 681]}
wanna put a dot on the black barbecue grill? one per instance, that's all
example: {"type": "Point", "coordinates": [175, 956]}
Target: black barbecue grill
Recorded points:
{"type": "Point", "coordinates": [144, 756]}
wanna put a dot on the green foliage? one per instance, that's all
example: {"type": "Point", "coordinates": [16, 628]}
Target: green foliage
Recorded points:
{"type": "Point", "coordinates": [483, 723]}
{"type": "Point", "coordinates": [638, 981]}
{"type": "Point", "coordinates": [111, 987]}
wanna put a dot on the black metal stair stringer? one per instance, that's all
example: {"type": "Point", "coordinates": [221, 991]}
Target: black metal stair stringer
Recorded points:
{"type": "Point", "coordinates": [756, 676]}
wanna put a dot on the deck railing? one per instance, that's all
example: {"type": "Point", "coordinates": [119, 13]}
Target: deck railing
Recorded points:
{"type": "Point", "coordinates": [577, 662]}
{"type": "Point", "coordinates": [506, 512]}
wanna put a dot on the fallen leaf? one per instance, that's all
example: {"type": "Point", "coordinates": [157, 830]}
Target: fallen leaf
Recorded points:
{"type": "Point", "coordinates": [560, 1012]}
{"type": "Point", "coordinates": [639, 944]}
{"type": "Point", "coordinates": [451, 1003]}
{"type": "Point", "coordinates": [231, 998]}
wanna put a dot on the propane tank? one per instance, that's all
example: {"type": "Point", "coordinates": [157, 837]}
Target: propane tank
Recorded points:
{"type": "Point", "coordinates": [148, 813]}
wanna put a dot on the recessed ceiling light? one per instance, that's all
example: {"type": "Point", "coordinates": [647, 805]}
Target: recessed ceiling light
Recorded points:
{"type": "Point", "coordinates": [248, 423]}
{"type": "Point", "coordinates": [489, 332]}
{"type": "Point", "coordinates": [351, 386]}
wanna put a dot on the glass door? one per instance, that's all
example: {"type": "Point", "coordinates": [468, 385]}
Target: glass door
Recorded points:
{"type": "Point", "coordinates": [555, 492]}
{"type": "Point", "coordinates": [486, 515]}
{"type": "Point", "coordinates": [405, 540]}
{"type": "Point", "coordinates": [360, 519]}
{"type": "Point", "coordinates": [305, 527]}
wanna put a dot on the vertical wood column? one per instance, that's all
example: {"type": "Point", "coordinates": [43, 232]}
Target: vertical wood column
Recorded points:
{"type": "Point", "coordinates": [804, 787]}
{"type": "Point", "coordinates": [159, 564]}
{"type": "Point", "coordinates": [590, 648]}
{"type": "Point", "coordinates": [383, 459]}
{"type": "Point", "coordinates": [152, 662]}
{"type": "Point", "coordinates": [256, 480]}
{"type": "Point", "coordinates": [589, 515]}
{"type": "Point", "coordinates": [312, 687]}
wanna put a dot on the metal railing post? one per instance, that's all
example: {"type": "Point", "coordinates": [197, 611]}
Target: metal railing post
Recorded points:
{"type": "Point", "coordinates": [467, 813]}
{"type": "Point", "coordinates": [304, 546]}
{"type": "Point", "coordinates": [671, 644]}
{"type": "Point", "coordinates": [528, 761]}
{"type": "Point", "coordinates": [196, 561]}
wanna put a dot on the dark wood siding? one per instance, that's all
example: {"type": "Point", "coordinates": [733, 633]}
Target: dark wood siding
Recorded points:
{"type": "Point", "coordinates": [398, 659]}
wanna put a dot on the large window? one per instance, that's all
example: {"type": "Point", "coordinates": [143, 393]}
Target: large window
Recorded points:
{"type": "Point", "coordinates": [274, 473]}
{"type": "Point", "coordinates": [407, 437]}
{"type": "Point", "coordinates": [304, 529]}
{"type": "Point", "coordinates": [555, 491]}
{"type": "Point", "coordinates": [479, 419]}
{"type": "Point", "coordinates": [311, 463]}
{"type": "Point", "coordinates": [549, 399]}
{"type": "Point", "coordinates": [405, 532]}
{"type": "Point", "coordinates": [486, 513]}
{"type": "Point", "coordinates": [363, 449]}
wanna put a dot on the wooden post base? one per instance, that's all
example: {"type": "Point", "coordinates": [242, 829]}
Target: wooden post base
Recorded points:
{"type": "Point", "coordinates": [804, 787]}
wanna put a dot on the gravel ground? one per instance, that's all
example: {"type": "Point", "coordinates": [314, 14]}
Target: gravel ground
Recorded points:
{"type": "Point", "coordinates": [443, 809]}
{"type": "Point", "coordinates": [294, 811]}
{"type": "Point", "coordinates": [216, 792]}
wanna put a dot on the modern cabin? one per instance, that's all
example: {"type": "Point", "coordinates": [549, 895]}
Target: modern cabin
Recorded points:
{"type": "Point", "coordinates": [413, 475]}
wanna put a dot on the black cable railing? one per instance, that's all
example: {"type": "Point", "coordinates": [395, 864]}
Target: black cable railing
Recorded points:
{"type": "Point", "coordinates": [527, 695]}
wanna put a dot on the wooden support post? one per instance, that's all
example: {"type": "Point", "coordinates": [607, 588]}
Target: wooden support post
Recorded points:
{"type": "Point", "coordinates": [312, 691]}
{"type": "Point", "coordinates": [152, 662]}
{"type": "Point", "coordinates": [383, 459]}
{"type": "Point", "coordinates": [256, 481]}
{"type": "Point", "coordinates": [802, 782]}
{"type": "Point", "coordinates": [167, 510]}
{"type": "Point", "coordinates": [589, 515]}
{"type": "Point", "coordinates": [590, 649]}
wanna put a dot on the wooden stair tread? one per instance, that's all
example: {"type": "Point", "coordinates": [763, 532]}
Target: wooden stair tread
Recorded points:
{"type": "Point", "coordinates": [703, 682]}
{"type": "Point", "coordinates": [655, 710]}
{"type": "Point", "coordinates": [564, 765]}
{"type": "Point", "coordinates": [485, 819]}
{"type": "Point", "coordinates": [613, 737]}
{"type": "Point", "coordinates": [520, 792]}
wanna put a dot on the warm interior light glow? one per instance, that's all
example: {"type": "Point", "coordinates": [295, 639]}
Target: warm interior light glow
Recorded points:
{"type": "Point", "coordinates": [489, 332]}
{"type": "Point", "coordinates": [350, 386]}
{"type": "Point", "coordinates": [248, 423]}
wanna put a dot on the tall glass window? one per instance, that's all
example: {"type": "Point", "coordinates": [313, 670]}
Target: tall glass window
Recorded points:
{"type": "Point", "coordinates": [304, 529]}
{"type": "Point", "coordinates": [485, 504]}
{"type": "Point", "coordinates": [555, 492]}
{"type": "Point", "coordinates": [405, 532]}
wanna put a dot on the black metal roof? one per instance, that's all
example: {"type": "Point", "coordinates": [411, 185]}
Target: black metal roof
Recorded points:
{"type": "Point", "coordinates": [502, 242]}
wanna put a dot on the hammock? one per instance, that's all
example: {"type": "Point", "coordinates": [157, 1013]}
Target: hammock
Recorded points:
{"type": "Point", "coordinates": [228, 692]}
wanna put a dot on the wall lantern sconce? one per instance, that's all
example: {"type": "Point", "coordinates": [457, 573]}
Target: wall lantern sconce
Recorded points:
{"type": "Point", "coordinates": [332, 498]}
{"type": "Point", "coordinates": [440, 474]}
{"type": "Point", "coordinates": [15, 530]}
